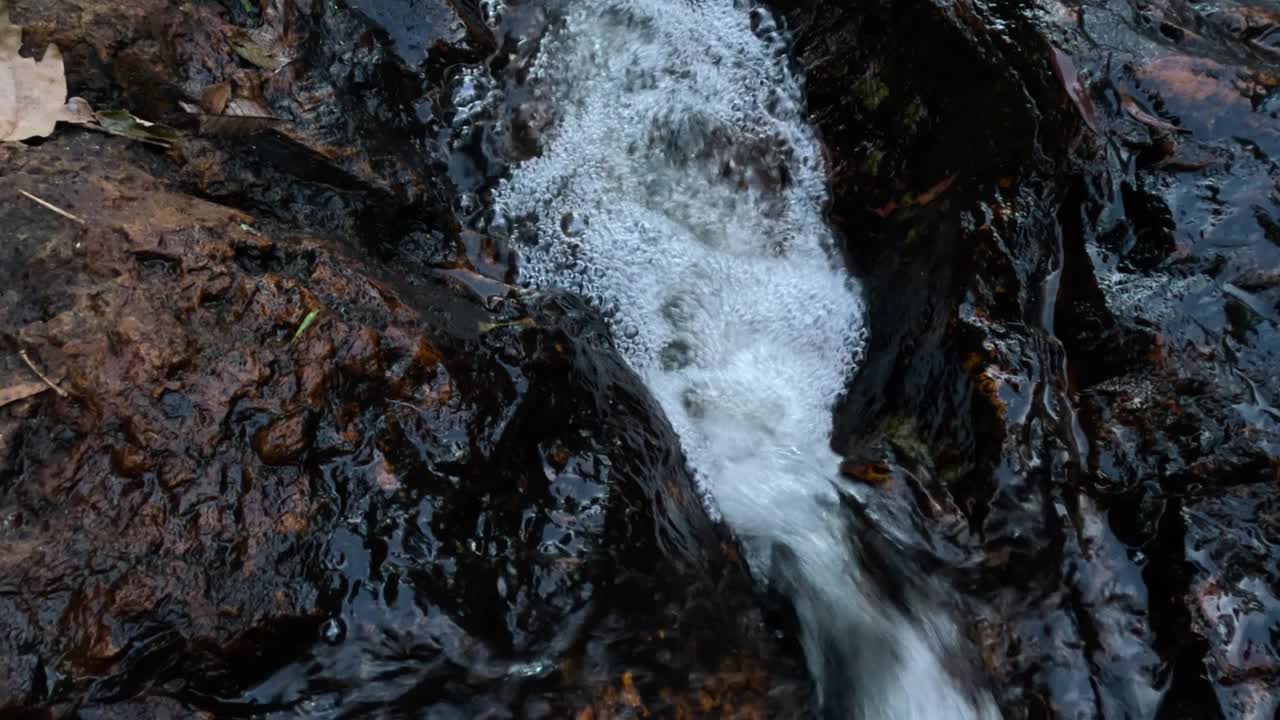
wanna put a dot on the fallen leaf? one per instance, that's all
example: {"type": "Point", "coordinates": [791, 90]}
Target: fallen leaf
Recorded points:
{"type": "Point", "coordinates": [78, 111]}
{"type": "Point", "coordinates": [248, 107]}
{"type": "Point", "coordinates": [233, 126]}
{"type": "Point", "coordinates": [224, 113]}
{"type": "Point", "coordinates": [215, 98]}
{"type": "Point", "coordinates": [33, 97]}
{"type": "Point", "coordinates": [32, 94]}
{"type": "Point", "coordinates": [1137, 113]}
{"type": "Point", "coordinates": [269, 57]}
{"type": "Point", "coordinates": [21, 391]}
{"type": "Point", "coordinates": [123, 123]}
{"type": "Point", "coordinates": [1065, 68]}
{"type": "Point", "coordinates": [932, 193]}
{"type": "Point", "coordinates": [307, 322]}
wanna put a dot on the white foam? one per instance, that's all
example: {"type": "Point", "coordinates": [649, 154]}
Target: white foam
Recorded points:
{"type": "Point", "coordinates": [681, 190]}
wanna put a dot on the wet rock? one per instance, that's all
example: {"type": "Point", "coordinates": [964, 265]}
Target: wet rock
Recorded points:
{"type": "Point", "coordinates": [1231, 544]}
{"type": "Point", "coordinates": [1066, 220]}
{"type": "Point", "coordinates": [284, 440]}
{"type": "Point", "coordinates": [1071, 336]}
{"type": "Point", "coordinates": [319, 122]}
{"type": "Point", "coordinates": [416, 501]}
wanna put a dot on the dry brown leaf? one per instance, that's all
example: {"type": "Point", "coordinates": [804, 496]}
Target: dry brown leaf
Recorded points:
{"type": "Point", "coordinates": [32, 94]}
{"type": "Point", "coordinates": [1065, 68]}
{"type": "Point", "coordinates": [932, 193]}
{"type": "Point", "coordinates": [247, 107]}
{"type": "Point", "coordinates": [215, 98]}
{"type": "Point", "coordinates": [260, 48]}
{"type": "Point", "coordinates": [1137, 113]}
{"type": "Point", "coordinates": [21, 391]}
{"type": "Point", "coordinates": [33, 97]}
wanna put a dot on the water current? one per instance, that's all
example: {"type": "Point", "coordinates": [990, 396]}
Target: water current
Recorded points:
{"type": "Point", "coordinates": [678, 186]}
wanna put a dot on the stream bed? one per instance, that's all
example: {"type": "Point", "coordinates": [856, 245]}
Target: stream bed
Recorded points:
{"type": "Point", "coordinates": [628, 359]}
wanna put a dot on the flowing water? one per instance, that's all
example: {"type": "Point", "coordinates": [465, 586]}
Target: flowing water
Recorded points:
{"type": "Point", "coordinates": [678, 186]}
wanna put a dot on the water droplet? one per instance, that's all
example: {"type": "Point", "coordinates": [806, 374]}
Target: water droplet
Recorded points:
{"type": "Point", "coordinates": [333, 631]}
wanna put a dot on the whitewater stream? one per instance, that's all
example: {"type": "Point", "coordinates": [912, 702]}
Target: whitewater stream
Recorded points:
{"type": "Point", "coordinates": [677, 185]}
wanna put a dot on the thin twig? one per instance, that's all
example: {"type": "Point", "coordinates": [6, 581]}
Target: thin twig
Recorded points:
{"type": "Point", "coordinates": [23, 354]}
{"type": "Point", "coordinates": [51, 206]}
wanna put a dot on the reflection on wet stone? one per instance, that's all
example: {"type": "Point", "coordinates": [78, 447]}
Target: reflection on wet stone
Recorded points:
{"type": "Point", "coordinates": [1066, 420]}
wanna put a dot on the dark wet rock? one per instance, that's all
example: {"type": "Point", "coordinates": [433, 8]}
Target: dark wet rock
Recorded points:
{"type": "Point", "coordinates": [1231, 545]}
{"type": "Point", "coordinates": [1067, 220]}
{"type": "Point", "coordinates": [298, 111]}
{"type": "Point", "coordinates": [285, 439]}
{"type": "Point", "coordinates": [949, 201]}
{"type": "Point", "coordinates": [1063, 215]}
{"type": "Point", "coordinates": [284, 481]}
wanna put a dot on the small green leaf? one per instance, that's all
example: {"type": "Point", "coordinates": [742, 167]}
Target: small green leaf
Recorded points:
{"type": "Point", "coordinates": [307, 322]}
{"type": "Point", "coordinates": [123, 123]}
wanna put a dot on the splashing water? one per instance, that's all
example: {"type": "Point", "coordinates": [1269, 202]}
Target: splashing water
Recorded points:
{"type": "Point", "coordinates": [681, 191]}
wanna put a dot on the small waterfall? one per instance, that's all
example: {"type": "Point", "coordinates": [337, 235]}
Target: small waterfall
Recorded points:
{"type": "Point", "coordinates": [681, 190]}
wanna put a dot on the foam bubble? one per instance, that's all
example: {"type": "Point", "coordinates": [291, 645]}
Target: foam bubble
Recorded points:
{"type": "Point", "coordinates": [681, 190]}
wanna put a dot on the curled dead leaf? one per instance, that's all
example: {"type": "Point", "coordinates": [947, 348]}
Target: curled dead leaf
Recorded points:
{"type": "Point", "coordinates": [1132, 108]}
{"type": "Point", "coordinates": [215, 98]}
{"type": "Point", "coordinates": [225, 112]}
{"type": "Point", "coordinates": [33, 97]}
{"type": "Point", "coordinates": [31, 93]}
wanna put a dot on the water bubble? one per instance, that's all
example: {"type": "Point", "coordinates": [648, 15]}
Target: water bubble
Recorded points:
{"type": "Point", "coordinates": [573, 224]}
{"type": "Point", "coordinates": [678, 129]}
